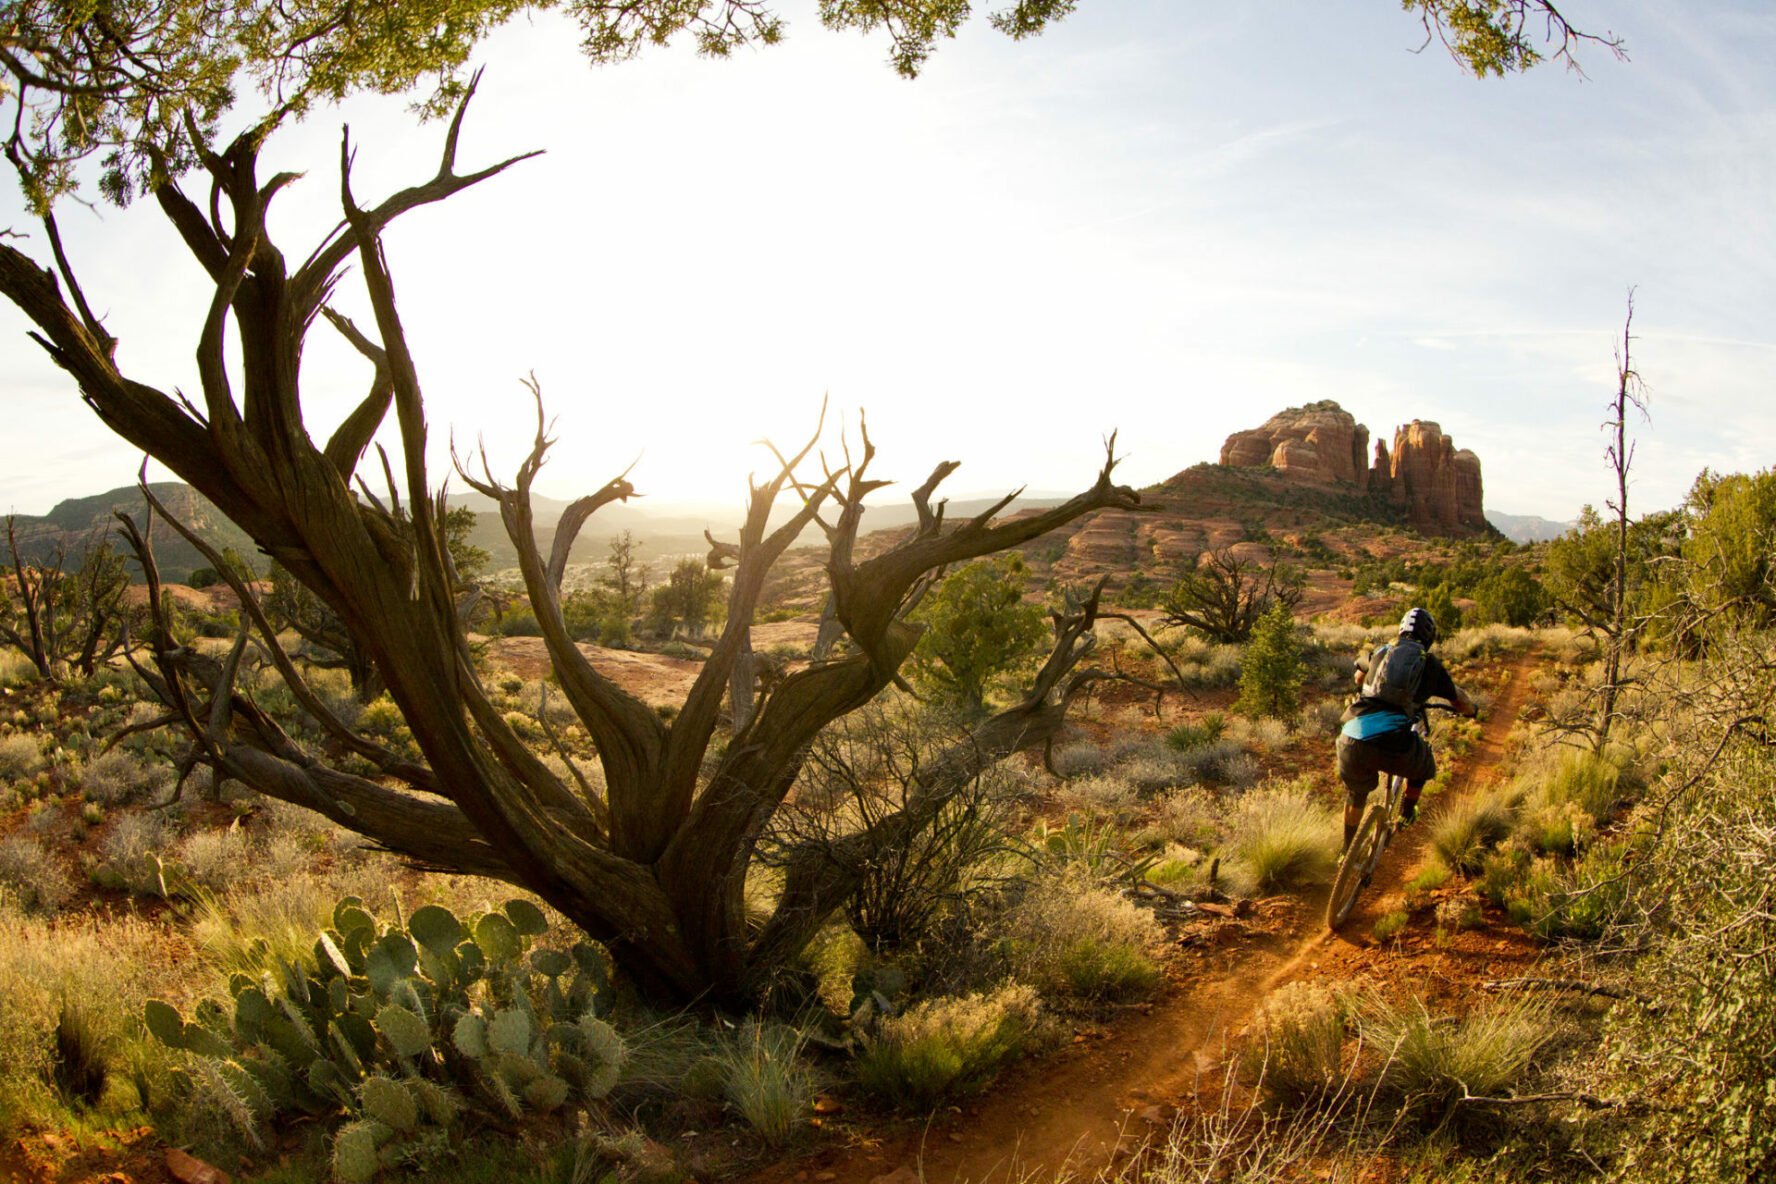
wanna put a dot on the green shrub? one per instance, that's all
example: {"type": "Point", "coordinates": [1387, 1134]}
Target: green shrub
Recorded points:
{"type": "Point", "coordinates": [20, 757]}
{"type": "Point", "coordinates": [1389, 924]}
{"type": "Point", "coordinates": [31, 874]}
{"type": "Point", "coordinates": [1270, 669]}
{"type": "Point", "coordinates": [947, 1046]}
{"type": "Point", "coordinates": [1185, 737]}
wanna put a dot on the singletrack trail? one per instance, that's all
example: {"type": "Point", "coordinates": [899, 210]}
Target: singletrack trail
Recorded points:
{"type": "Point", "coordinates": [1122, 1081]}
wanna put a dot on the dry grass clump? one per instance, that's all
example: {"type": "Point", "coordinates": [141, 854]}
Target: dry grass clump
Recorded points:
{"type": "Point", "coordinates": [1283, 838]}
{"type": "Point", "coordinates": [1270, 734]}
{"type": "Point", "coordinates": [1468, 829]}
{"type": "Point", "coordinates": [128, 848]}
{"type": "Point", "coordinates": [20, 757]}
{"type": "Point", "coordinates": [1074, 938]}
{"type": "Point", "coordinates": [87, 982]}
{"type": "Point", "coordinates": [1219, 762]}
{"type": "Point", "coordinates": [946, 1046]}
{"type": "Point", "coordinates": [117, 777]}
{"type": "Point", "coordinates": [30, 874]}
{"type": "Point", "coordinates": [1107, 793]}
{"type": "Point", "coordinates": [214, 859]}
{"type": "Point", "coordinates": [15, 669]}
{"type": "Point", "coordinates": [1483, 641]}
{"type": "Point", "coordinates": [1432, 1063]}
{"type": "Point", "coordinates": [764, 1080]}
{"type": "Point", "coordinates": [1074, 760]}
{"type": "Point", "coordinates": [1296, 1051]}
{"type": "Point", "coordinates": [1187, 816]}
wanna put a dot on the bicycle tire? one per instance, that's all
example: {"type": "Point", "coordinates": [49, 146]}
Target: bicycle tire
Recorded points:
{"type": "Point", "coordinates": [1359, 860]}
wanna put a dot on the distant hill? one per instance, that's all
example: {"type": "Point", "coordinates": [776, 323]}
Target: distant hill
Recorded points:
{"type": "Point", "coordinates": [1527, 528]}
{"type": "Point", "coordinates": [78, 521]}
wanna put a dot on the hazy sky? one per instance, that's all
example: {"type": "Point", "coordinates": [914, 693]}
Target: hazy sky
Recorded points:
{"type": "Point", "coordinates": [1169, 219]}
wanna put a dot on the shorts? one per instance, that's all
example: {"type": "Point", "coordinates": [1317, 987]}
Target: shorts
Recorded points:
{"type": "Point", "coordinates": [1361, 762]}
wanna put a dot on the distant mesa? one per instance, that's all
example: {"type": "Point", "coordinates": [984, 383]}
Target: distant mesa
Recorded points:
{"type": "Point", "coordinates": [1322, 444]}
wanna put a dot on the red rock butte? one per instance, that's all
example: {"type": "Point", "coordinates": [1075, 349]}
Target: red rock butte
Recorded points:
{"type": "Point", "coordinates": [1322, 444]}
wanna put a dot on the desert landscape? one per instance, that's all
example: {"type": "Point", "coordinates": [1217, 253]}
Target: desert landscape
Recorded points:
{"type": "Point", "coordinates": [463, 735]}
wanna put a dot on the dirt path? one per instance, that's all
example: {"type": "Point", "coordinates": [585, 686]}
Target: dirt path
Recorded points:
{"type": "Point", "coordinates": [1115, 1085]}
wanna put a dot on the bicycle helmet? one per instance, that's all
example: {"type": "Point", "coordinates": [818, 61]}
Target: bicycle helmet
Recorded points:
{"type": "Point", "coordinates": [1420, 626]}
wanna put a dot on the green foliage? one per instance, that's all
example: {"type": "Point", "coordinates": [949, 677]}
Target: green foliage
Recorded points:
{"type": "Point", "coordinates": [1187, 737]}
{"type": "Point", "coordinates": [1581, 564]}
{"type": "Point", "coordinates": [405, 1026]}
{"type": "Point", "coordinates": [1510, 596]}
{"type": "Point", "coordinates": [978, 631]}
{"type": "Point", "coordinates": [763, 1080]}
{"type": "Point", "coordinates": [1441, 606]}
{"type": "Point", "coordinates": [943, 1047]}
{"type": "Point", "coordinates": [1499, 37]}
{"type": "Point", "coordinates": [469, 560]}
{"type": "Point", "coordinates": [1270, 670]}
{"type": "Point", "coordinates": [1389, 924]}
{"type": "Point", "coordinates": [690, 598]}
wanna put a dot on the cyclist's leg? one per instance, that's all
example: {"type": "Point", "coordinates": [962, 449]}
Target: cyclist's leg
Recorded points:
{"type": "Point", "coordinates": [1421, 767]}
{"type": "Point", "coordinates": [1358, 771]}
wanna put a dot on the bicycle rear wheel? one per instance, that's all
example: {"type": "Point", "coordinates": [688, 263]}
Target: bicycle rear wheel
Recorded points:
{"type": "Point", "coordinates": [1359, 860]}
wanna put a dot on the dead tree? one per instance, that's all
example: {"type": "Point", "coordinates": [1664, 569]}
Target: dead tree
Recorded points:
{"type": "Point", "coordinates": [59, 616]}
{"type": "Point", "coordinates": [654, 867]}
{"type": "Point", "coordinates": [1224, 595]}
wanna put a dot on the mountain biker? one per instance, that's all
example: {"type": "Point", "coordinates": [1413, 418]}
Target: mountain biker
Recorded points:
{"type": "Point", "coordinates": [1394, 680]}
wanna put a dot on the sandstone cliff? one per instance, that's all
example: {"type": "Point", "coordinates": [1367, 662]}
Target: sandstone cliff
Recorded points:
{"type": "Point", "coordinates": [1321, 444]}
{"type": "Point", "coordinates": [1318, 444]}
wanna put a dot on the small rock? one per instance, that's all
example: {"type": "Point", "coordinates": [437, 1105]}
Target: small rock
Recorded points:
{"type": "Point", "coordinates": [192, 1170]}
{"type": "Point", "coordinates": [900, 1175]}
{"type": "Point", "coordinates": [1153, 1115]}
{"type": "Point", "coordinates": [825, 1104]}
{"type": "Point", "coordinates": [827, 1176]}
{"type": "Point", "coordinates": [1244, 907]}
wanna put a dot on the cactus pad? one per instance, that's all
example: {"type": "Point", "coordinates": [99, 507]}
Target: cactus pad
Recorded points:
{"type": "Point", "coordinates": [498, 938]}
{"type": "Point", "coordinates": [528, 919]}
{"type": "Point", "coordinates": [406, 1033]}
{"type": "Point", "coordinates": [546, 1093]}
{"type": "Point", "coordinates": [354, 1150]}
{"type": "Point", "coordinates": [509, 1032]}
{"type": "Point", "coordinates": [164, 1023]}
{"type": "Point", "coordinates": [435, 928]}
{"type": "Point", "coordinates": [470, 1036]}
{"type": "Point", "coordinates": [388, 1102]}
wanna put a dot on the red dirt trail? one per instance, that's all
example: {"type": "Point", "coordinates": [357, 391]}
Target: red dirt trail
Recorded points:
{"type": "Point", "coordinates": [1120, 1082]}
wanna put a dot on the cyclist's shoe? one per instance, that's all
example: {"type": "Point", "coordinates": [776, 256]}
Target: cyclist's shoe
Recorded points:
{"type": "Point", "coordinates": [1408, 815]}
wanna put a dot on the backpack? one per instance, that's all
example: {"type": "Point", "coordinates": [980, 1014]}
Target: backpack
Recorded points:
{"type": "Point", "coordinates": [1394, 674]}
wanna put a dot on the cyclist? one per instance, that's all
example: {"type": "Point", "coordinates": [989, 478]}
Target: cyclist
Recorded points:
{"type": "Point", "coordinates": [1394, 680]}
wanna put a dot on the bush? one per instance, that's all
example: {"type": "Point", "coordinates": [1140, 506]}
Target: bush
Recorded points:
{"type": "Point", "coordinates": [1186, 737]}
{"type": "Point", "coordinates": [1270, 670]}
{"type": "Point", "coordinates": [1284, 838]}
{"type": "Point", "coordinates": [1073, 760]}
{"type": "Point", "coordinates": [946, 1046]}
{"type": "Point", "coordinates": [1188, 816]}
{"type": "Point", "coordinates": [118, 777]}
{"type": "Point", "coordinates": [1295, 1055]}
{"type": "Point", "coordinates": [31, 875]}
{"type": "Point", "coordinates": [1074, 938]}
{"type": "Point", "coordinates": [19, 757]}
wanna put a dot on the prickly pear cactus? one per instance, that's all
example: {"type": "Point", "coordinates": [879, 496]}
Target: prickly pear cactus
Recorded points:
{"type": "Point", "coordinates": [405, 1025]}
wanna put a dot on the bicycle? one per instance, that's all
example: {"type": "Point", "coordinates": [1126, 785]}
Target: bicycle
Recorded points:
{"type": "Point", "coordinates": [1379, 823]}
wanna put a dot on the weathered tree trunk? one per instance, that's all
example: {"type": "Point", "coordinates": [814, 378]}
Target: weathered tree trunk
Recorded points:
{"type": "Point", "coordinates": [656, 868]}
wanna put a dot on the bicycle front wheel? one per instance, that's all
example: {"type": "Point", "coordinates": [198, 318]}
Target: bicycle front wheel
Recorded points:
{"type": "Point", "coordinates": [1359, 859]}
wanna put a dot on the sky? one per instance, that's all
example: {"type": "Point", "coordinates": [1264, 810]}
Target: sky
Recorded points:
{"type": "Point", "coordinates": [1166, 220]}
